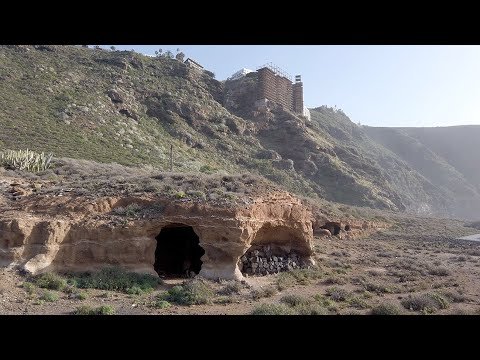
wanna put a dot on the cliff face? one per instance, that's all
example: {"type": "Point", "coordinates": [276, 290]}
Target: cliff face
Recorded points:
{"type": "Point", "coordinates": [43, 233]}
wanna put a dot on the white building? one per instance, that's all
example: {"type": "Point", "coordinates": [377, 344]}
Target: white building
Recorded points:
{"type": "Point", "coordinates": [239, 74]}
{"type": "Point", "coordinates": [306, 113]}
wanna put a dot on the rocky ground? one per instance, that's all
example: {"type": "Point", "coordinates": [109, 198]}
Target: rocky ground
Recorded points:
{"type": "Point", "coordinates": [415, 267]}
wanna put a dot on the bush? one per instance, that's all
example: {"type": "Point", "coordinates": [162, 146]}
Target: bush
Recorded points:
{"type": "Point", "coordinates": [117, 279]}
{"type": "Point", "coordinates": [439, 271]}
{"type": "Point", "coordinates": [193, 292]}
{"type": "Point", "coordinates": [285, 280]}
{"type": "Point", "coordinates": [134, 290]}
{"type": "Point", "coordinates": [378, 288]}
{"type": "Point", "coordinates": [387, 308]}
{"type": "Point", "coordinates": [324, 301]}
{"type": "Point", "coordinates": [48, 296]}
{"type": "Point", "coordinates": [197, 194]}
{"type": "Point", "coordinates": [88, 310]}
{"type": "Point", "coordinates": [180, 195]}
{"type": "Point", "coordinates": [80, 295]}
{"type": "Point", "coordinates": [337, 294]}
{"type": "Point", "coordinates": [50, 281]}
{"type": "Point", "coordinates": [297, 276]}
{"type": "Point", "coordinates": [105, 310]}
{"type": "Point", "coordinates": [268, 291]}
{"type": "Point", "coordinates": [311, 309]}
{"type": "Point", "coordinates": [357, 302]}
{"type": "Point", "coordinates": [426, 303]}
{"type": "Point", "coordinates": [161, 304]}
{"type": "Point", "coordinates": [295, 300]}
{"type": "Point", "coordinates": [206, 169]}
{"type": "Point", "coordinates": [129, 211]}
{"type": "Point", "coordinates": [223, 300]}
{"type": "Point", "coordinates": [337, 280]}
{"type": "Point", "coordinates": [233, 287]}
{"type": "Point", "coordinates": [272, 309]}
{"type": "Point", "coordinates": [455, 297]}
{"type": "Point", "coordinates": [29, 287]}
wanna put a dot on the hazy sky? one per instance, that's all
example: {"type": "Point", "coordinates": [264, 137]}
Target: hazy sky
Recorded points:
{"type": "Point", "coordinates": [374, 85]}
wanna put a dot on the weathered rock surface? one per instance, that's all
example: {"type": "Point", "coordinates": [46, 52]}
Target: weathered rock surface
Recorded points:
{"type": "Point", "coordinates": [44, 233]}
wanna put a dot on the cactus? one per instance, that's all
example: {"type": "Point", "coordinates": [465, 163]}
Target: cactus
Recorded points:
{"type": "Point", "coordinates": [25, 160]}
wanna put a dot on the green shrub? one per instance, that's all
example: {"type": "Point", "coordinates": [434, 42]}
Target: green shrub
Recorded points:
{"type": "Point", "coordinates": [378, 288]}
{"type": "Point", "coordinates": [81, 295]}
{"type": "Point", "coordinates": [311, 309]}
{"type": "Point", "coordinates": [285, 280]}
{"type": "Point", "coordinates": [134, 290]}
{"type": "Point", "coordinates": [161, 304]}
{"type": "Point", "coordinates": [297, 276]}
{"type": "Point", "coordinates": [263, 292]}
{"type": "Point", "coordinates": [29, 287]}
{"type": "Point", "coordinates": [233, 287]}
{"type": "Point", "coordinates": [439, 271]}
{"type": "Point", "coordinates": [324, 301]}
{"type": "Point", "coordinates": [337, 294]}
{"type": "Point", "coordinates": [426, 303]}
{"type": "Point", "coordinates": [294, 300]}
{"type": "Point", "coordinates": [335, 280]}
{"type": "Point", "coordinates": [455, 297]}
{"type": "Point", "coordinates": [128, 211]}
{"type": "Point", "coordinates": [50, 281]}
{"type": "Point", "coordinates": [88, 310]}
{"type": "Point", "coordinates": [387, 308]}
{"type": "Point", "coordinates": [223, 300]}
{"type": "Point", "coordinates": [193, 292]}
{"type": "Point", "coordinates": [48, 296]}
{"type": "Point", "coordinates": [272, 309]}
{"type": "Point", "coordinates": [117, 279]}
{"type": "Point", "coordinates": [207, 169]}
{"type": "Point", "coordinates": [180, 195]}
{"type": "Point", "coordinates": [357, 302]}
{"type": "Point", "coordinates": [197, 194]}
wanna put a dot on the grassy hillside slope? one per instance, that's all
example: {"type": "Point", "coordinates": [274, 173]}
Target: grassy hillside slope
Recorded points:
{"type": "Point", "coordinates": [124, 107]}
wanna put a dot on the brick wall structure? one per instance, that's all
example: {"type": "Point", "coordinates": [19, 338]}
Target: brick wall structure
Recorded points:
{"type": "Point", "coordinates": [280, 90]}
{"type": "Point", "coordinates": [267, 84]}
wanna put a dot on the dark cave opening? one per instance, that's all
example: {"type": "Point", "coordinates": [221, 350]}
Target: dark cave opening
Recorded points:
{"type": "Point", "coordinates": [178, 251]}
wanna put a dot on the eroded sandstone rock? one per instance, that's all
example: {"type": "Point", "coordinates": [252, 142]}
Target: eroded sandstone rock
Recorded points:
{"type": "Point", "coordinates": [73, 233]}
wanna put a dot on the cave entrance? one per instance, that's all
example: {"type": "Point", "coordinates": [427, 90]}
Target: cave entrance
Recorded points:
{"type": "Point", "coordinates": [178, 251]}
{"type": "Point", "coordinates": [274, 249]}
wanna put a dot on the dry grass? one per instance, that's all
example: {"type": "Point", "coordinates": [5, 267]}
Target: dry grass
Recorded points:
{"type": "Point", "coordinates": [89, 178]}
{"type": "Point", "coordinates": [426, 303]}
{"type": "Point", "coordinates": [387, 308]}
{"type": "Point", "coordinates": [263, 292]}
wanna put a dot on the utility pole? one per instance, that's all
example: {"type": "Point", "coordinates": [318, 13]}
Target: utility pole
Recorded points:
{"type": "Point", "coordinates": [171, 157]}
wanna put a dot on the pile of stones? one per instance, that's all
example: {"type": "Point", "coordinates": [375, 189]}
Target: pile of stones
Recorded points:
{"type": "Point", "coordinates": [263, 262]}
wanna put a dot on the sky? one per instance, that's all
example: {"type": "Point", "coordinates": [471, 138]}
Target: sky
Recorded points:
{"type": "Point", "coordinates": [376, 85]}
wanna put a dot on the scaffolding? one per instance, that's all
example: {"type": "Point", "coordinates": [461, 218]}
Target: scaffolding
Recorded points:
{"type": "Point", "coordinates": [277, 70]}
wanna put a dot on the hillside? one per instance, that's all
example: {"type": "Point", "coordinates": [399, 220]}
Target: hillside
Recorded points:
{"type": "Point", "coordinates": [120, 106]}
{"type": "Point", "coordinates": [456, 144]}
{"type": "Point", "coordinates": [445, 157]}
